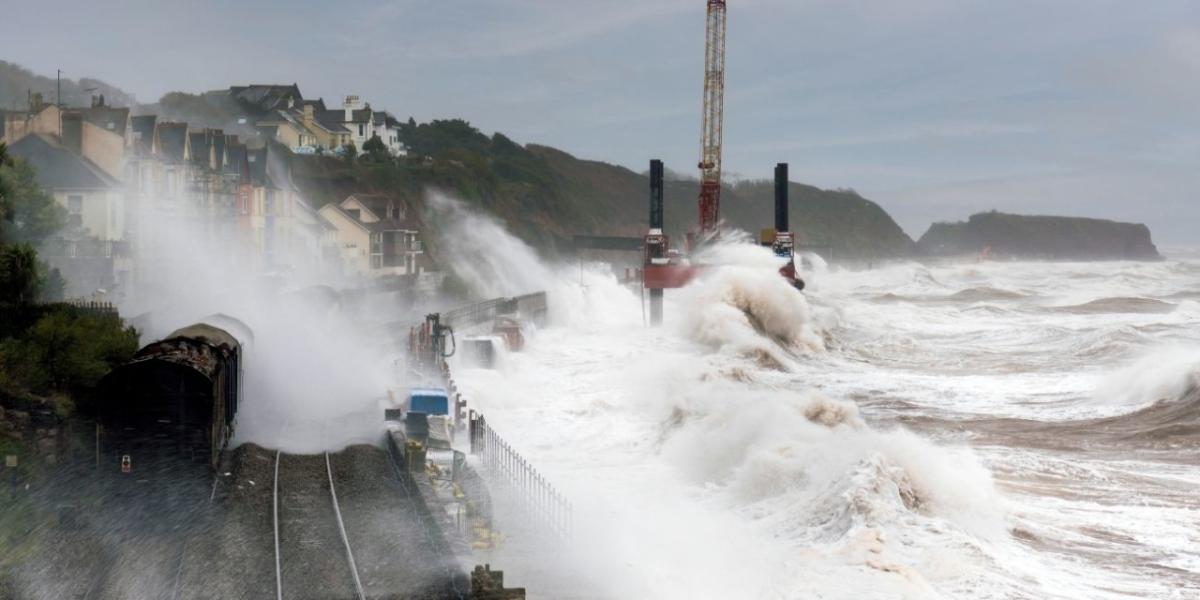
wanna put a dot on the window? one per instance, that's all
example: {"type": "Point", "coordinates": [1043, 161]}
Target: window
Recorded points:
{"type": "Point", "coordinates": [75, 211]}
{"type": "Point", "coordinates": [361, 130]}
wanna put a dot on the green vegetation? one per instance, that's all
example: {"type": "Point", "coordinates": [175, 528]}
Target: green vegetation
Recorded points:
{"type": "Point", "coordinates": [51, 355]}
{"type": "Point", "coordinates": [29, 213]}
{"type": "Point", "coordinates": [375, 151]}
{"type": "Point", "coordinates": [546, 196]}
{"type": "Point", "coordinates": [66, 349]}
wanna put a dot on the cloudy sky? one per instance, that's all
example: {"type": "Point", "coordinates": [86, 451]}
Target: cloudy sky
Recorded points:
{"type": "Point", "coordinates": [934, 108]}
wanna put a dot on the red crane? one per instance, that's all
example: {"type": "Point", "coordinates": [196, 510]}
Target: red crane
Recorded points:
{"type": "Point", "coordinates": [712, 119]}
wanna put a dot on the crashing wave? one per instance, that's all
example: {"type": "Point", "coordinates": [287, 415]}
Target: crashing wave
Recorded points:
{"type": "Point", "coordinates": [749, 309]}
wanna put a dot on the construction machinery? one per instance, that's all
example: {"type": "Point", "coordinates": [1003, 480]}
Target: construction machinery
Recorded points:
{"type": "Point", "coordinates": [781, 239]}
{"type": "Point", "coordinates": [713, 119]}
{"type": "Point", "coordinates": [664, 267]}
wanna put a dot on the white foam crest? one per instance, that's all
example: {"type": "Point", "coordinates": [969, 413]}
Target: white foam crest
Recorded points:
{"type": "Point", "coordinates": [743, 305]}
{"type": "Point", "coordinates": [1164, 374]}
{"type": "Point", "coordinates": [819, 461]}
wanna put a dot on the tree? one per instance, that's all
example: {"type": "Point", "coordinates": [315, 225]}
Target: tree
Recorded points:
{"type": "Point", "coordinates": [351, 151]}
{"type": "Point", "coordinates": [5, 187]}
{"type": "Point", "coordinates": [19, 277]}
{"type": "Point", "coordinates": [375, 150]}
{"type": "Point", "coordinates": [30, 214]}
{"type": "Point", "coordinates": [67, 350]}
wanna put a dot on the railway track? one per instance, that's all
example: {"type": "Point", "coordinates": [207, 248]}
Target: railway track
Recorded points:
{"type": "Point", "coordinates": [313, 555]}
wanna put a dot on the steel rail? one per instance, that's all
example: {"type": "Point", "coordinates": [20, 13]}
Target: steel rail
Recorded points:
{"type": "Point", "coordinates": [275, 511]}
{"type": "Point", "coordinates": [337, 511]}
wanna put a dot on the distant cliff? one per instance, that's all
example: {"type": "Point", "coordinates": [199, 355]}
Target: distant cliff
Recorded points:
{"type": "Point", "coordinates": [1026, 236]}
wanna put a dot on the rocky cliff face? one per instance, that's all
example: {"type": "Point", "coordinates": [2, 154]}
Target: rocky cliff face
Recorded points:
{"type": "Point", "coordinates": [1026, 236]}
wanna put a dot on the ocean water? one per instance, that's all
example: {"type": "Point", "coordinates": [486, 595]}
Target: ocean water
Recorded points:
{"type": "Point", "coordinates": [974, 430]}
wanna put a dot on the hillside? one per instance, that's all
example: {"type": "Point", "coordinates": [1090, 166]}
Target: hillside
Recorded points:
{"type": "Point", "coordinates": [1041, 237]}
{"type": "Point", "coordinates": [16, 83]}
{"type": "Point", "coordinates": [547, 196]}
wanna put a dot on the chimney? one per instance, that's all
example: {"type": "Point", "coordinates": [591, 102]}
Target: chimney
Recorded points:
{"type": "Point", "coordinates": [72, 131]}
{"type": "Point", "coordinates": [308, 114]}
{"type": "Point", "coordinates": [348, 105]}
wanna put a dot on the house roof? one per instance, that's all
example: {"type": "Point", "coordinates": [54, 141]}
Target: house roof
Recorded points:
{"type": "Point", "coordinates": [235, 158]}
{"type": "Point", "coordinates": [143, 131]}
{"type": "Point", "coordinates": [107, 118]}
{"type": "Point", "coordinates": [200, 141]}
{"type": "Point", "coordinates": [374, 227]}
{"type": "Point", "coordinates": [377, 203]}
{"type": "Point", "coordinates": [277, 117]}
{"type": "Point", "coordinates": [218, 143]}
{"type": "Point", "coordinates": [334, 126]}
{"type": "Point", "coordinates": [385, 118]}
{"type": "Point", "coordinates": [361, 115]}
{"type": "Point", "coordinates": [318, 105]}
{"type": "Point", "coordinates": [266, 96]}
{"type": "Point", "coordinates": [333, 208]}
{"type": "Point", "coordinates": [172, 140]}
{"type": "Point", "coordinates": [331, 127]}
{"type": "Point", "coordinates": [58, 168]}
{"type": "Point", "coordinates": [269, 171]}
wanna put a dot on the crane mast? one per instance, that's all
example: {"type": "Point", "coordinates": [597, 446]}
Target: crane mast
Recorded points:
{"type": "Point", "coordinates": [712, 118]}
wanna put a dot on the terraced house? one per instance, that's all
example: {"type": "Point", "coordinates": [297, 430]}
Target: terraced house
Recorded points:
{"type": "Point", "coordinates": [143, 186]}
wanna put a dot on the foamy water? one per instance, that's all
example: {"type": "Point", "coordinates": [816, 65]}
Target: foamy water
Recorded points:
{"type": "Point", "coordinates": [993, 430]}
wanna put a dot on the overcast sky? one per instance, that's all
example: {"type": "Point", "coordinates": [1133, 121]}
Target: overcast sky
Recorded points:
{"type": "Point", "coordinates": [934, 108]}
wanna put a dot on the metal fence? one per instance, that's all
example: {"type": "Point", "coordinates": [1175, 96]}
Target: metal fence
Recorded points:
{"type": "Point", "coordinates": [532, 306]}
{"type": "Point", "coordinates": [541, 503]}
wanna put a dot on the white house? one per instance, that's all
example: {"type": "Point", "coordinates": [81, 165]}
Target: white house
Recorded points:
{"type": "Point", "coordinates": [388, 130]}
